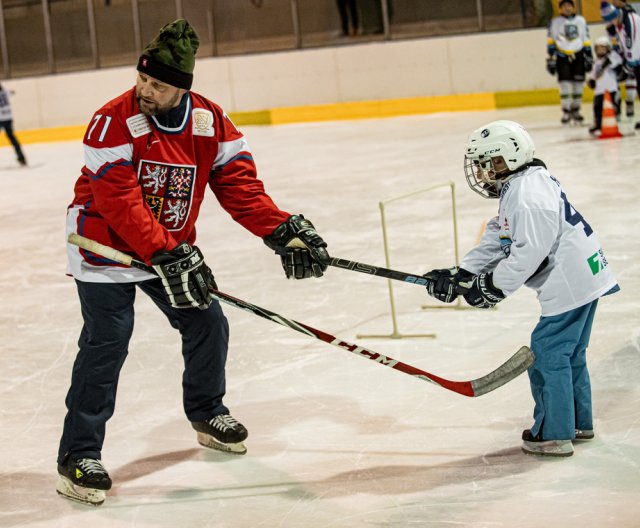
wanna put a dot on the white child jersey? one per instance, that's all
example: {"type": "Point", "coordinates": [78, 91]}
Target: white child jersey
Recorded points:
{"type": "Point", "coordinates": [536, 220]}
{"type": "Point", "coordinates": [604, 74]}
{"type": "Point", "coordinates": [568, 34]}
{"type": "Point", "coordinates": [5, 106]}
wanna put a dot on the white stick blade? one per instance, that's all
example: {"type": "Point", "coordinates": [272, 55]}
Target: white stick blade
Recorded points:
{"type": "Point", "coordinates": [509, 370]}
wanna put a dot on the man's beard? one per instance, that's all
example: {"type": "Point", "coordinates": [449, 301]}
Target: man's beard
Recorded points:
{"type": "Point", "coordinates": [153, 108]}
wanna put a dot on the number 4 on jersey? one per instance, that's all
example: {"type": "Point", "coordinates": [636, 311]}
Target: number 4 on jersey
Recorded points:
{"type": "Point", "coordinates": [574, 217]}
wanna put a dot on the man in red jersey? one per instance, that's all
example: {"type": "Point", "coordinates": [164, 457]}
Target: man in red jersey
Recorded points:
{"type": "Point", "coordinates": [150, 155]}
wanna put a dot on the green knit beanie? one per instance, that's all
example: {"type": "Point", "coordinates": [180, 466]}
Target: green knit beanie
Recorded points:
{"type": "Point", "coordinates": [171, 56]}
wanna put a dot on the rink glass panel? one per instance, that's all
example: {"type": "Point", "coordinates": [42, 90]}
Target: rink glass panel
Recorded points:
{"type": "Point", "coordinates": [72, 35]}
{"type": "Point", "coordinates": [25, 40]}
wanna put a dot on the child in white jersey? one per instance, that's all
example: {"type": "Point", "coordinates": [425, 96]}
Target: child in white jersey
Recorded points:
{"type": "Point", "coordinates": [604, 78]}
{"type": "Point", "coordinates": [539, 240]}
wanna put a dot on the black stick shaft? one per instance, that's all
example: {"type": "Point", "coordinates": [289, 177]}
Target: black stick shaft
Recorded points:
{"type": "Point", "coordinates": [378, 271]}
{"type": "Point", "coordinates": [410, 278]}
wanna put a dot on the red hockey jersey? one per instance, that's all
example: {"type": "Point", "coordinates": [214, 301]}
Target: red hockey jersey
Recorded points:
{"type": "Point", "coordinates": [142, 185]}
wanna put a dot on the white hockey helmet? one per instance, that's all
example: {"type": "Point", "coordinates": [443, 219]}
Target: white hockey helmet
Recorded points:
{"type": "Point", "coordinates": [603, 41]}
{"type": "Point", "coordinates": [493, 153]}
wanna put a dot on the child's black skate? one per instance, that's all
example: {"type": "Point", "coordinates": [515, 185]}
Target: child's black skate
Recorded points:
{"type": "Point", "coordinates": [83, 480]}
{"type": "Point", "coordinates": [222, 432]}
{"type": "Point", "coordinates": [566, 117]}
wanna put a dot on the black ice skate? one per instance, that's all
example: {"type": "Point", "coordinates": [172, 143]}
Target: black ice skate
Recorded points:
{"type": "Point", "coordinates": [222, 432]}
{"type": "Point", "coordinates": [577, 117]}
{"type": "Point", "coordinates": [83, 480]}
{"type": "Point", "coordinates": [534, 445]}
{"type": "Point", "coordinates": [629, 110]}
{"type": "Point", "coordinates": [566, 117]}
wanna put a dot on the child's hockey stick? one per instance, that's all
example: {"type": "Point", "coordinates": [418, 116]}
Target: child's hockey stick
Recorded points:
{"type": "Point", "coordinates": [513, 367]}
{"type": "Point", "coordinates": [370, 269]}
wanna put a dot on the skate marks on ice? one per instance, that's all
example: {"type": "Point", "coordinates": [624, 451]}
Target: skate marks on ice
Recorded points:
{"type": "Point", "coordinates": [617, 423]}
{"type": "Point", "coordinates": [306, 433]}
{"type": "Point", "coordinates": [29, 497]}
{"type": "Point", "coordinates": [382, 480]}
{"type": "Point", "coordinates": [149, 465]}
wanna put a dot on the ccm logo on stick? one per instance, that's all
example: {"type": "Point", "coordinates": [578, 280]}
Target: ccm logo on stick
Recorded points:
{"type": "Point", "coordinates": [378, 358]}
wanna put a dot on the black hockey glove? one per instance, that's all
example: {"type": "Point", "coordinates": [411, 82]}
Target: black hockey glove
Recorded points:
{"type": "Point", "coordinates": [443, 283]}
{"type": "Point", "coordinates": [621, 75]}
{"type": "Point", "coordinates": [588, 61]}
{"type": "Point", "coordinates": [552, 67]}
{"type": "Point", "coordinates": [185, 276]}
{"type": "Point", "coordinates": [482, 293]}
{"type": "Point", "coordinates": [591, 83]}
{"type": "Point", "coordinates": [302, 251]}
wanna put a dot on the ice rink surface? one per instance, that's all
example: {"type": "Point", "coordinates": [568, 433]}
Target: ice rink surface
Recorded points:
{"type": "Point", "coordinates": [335, 440]}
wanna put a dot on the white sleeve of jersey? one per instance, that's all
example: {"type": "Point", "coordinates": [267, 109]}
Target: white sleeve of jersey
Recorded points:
{"type": "Point", "coordinates": [96, 158]}
{"type": "Point", "coordinates": [555, 29]}
{"type": "Point", "coordinates": [227, 150]}
{"type": "Point", "coordinates": [484, 257]}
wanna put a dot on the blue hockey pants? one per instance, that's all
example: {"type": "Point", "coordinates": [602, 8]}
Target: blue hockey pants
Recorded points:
{"type": "Point", "coordinates": [559, 377]}
{"type": "Point", "coordinates": [108, 314]}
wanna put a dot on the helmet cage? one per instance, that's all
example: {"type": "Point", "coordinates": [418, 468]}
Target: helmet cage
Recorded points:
{"type": "Point", "coordinates": [481, 176]}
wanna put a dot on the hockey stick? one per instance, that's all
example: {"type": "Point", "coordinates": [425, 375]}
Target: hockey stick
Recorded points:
{"type": "Point", "coordinates": [379, 272]}
{"type": "Point", "coordinates": [370, 269]}
{"type": "Point", "coordinates": [512, 368]}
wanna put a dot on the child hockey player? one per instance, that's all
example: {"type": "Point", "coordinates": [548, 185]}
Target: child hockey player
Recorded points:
{"type": "Point", "coordinates": [539, 240]}
{"type": "Point", "coordinates": [604, 78]}
{"type": "Point", "coordinates": [569, 57]}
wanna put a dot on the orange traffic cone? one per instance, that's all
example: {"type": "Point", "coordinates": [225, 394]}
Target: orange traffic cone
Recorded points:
{"type": "Point", "coordinates": [609, 122]}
